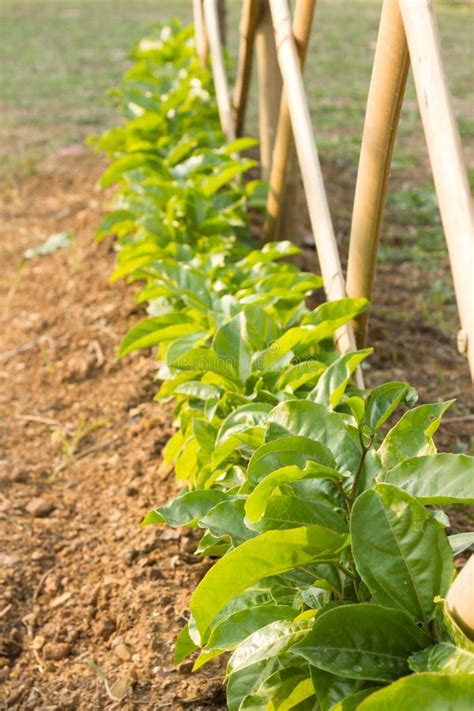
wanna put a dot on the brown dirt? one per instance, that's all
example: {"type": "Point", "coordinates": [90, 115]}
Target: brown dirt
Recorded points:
{"type": "Point", "coordinates": [83, 582]}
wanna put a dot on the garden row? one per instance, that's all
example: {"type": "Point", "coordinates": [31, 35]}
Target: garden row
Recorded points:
{"type": "Point", "coordinates": [333, 560]}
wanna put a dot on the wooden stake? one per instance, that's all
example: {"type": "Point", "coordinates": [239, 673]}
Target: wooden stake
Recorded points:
{"type": "Point", "coordinates": [447, 163]}
{"type": "Point", "coordinates": [269, 87]}
{"type": "Point", "coordinates": [202, 46]}
{"type": "Point", "coordinates": [460, 598]}
{"type": "Point", "coordinates": [218, 69]}
{"type": "Point", "coordinates": [310, 168]}
{"type": "Point", "coordinates": [248, 26]}
{"type": "Point", "coordinates": [387, 88]}
{"type": "Point", "coordinates": [302, 22]}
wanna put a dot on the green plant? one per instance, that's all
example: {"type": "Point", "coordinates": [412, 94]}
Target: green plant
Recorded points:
{"type": "Point", "coordinates": [332, 562]}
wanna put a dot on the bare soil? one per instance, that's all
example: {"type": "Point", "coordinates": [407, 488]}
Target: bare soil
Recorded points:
{"type": "Point", "coordinates": [80, 582]}
{"type": "Point", "coordinates": [80, 462]}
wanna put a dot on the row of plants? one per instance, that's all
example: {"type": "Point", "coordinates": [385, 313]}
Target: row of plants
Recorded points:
{"type": "Point", "coordinates": [332, 554]}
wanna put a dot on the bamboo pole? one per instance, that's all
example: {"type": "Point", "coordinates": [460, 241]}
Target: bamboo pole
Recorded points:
{"type": "Point", "coordinates": [269, 87]}
{"type": "Point", "coordinates": [460, 598]}
{"type": "Point", "coordinates": [222, 16]}
{"type": "Point", "coordinates": [309, 163]}
{"type": "Point", "coordinates": [211, 18]}
{"type": "Point", "coordinates": [445, 152]}
{"type": "Point", "coordinates": [202, 46]}
{"type": "Point", "coordinates": [248, 26]}
{"type": "Point", "coordinates": [281, 161]}
{"type": "Point", "coordinates": [387, 88]}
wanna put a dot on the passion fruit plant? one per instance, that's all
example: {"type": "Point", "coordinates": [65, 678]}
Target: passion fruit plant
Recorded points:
{"type": "Point", "coordinates": [333, 558]}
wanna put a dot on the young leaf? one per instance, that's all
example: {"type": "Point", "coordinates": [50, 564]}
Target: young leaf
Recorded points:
{"type": "Point", "coordinates": [152, 331]}
{"type": "Point", "coordinates": [412, 435]}
{"type": "Point", "coordinates": [270, 641]}
{"type": "Point", "coordinates": [384, 400]}
{"type": "Point", "coordinates": [257, 501]}
{"type": "Point", "coordinates": [187, 509]}
{"type": "Point", "coordinates": [362, 641]}
{"type": "Point", "coordinates": [400, 551]}
{"type": "Point", "coordinates": [333, 381]}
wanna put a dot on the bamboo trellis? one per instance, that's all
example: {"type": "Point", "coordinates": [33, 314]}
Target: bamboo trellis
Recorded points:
{"type": "Point", "coordinates": [408, 36]}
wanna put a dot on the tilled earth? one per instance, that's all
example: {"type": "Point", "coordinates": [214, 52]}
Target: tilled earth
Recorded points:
{"type": "Point", "coordinates": [87, 598]}
{"type": "Point", "coordinates": [90, 603]}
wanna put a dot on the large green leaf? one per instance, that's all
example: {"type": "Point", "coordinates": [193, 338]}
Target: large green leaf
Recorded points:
{"type": "Point", "coordinates": [334, 380]}
{"type": "Point", "coordinates": [312, 420]}
{"type": "Point", "coordinates": [424, 692]}
{"type": "Point", "coordinates": [270, 553]}
{"type": "Point", "coordinates": [436, 478]}
{"type": "Point", "coordinates": [412, 435]}
{"type": "Point", "coordinates": [443, 658]}
{"type": "Point", "coordinates": [401, 552]}
{"type": "Point", "coordinates": [362, 641]}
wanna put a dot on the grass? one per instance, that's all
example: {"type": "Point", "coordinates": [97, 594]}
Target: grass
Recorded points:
{"type": "Point", "coordinates": [58, 58]}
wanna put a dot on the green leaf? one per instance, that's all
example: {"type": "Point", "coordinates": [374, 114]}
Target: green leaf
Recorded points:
{"type": "Point", "coordinates": [270, 641]}
{"type": "Point", "coordinates": [286, 451]}
{"type": "Point", "coordinates": [384, 400]}
{"type": "Point", "coordinates": [184, 645]}
{"type": "Point", "coordinates": [292, 511]}
{"type": "Point", "coordinates": [443, 658]}
{"type": "Point", "coordinates": [205, 360]}
{"type": "Point", "coordinates": [362, 641]}
{"type": "Point", "coordinates": [300, 374]}
{"type": "Point", "coordinates": [214, 183]}
{"type": "Point", "coordinates": [330, 688]}
{"type": "Point", "coordinates": [243, 417]}
{"type": "Point", "coordinates": [424, 692]}
{"type": "Point", "coordinates": [271, 553]}
{"type": "Point", "coordinates": [287, 689]}
{"type": "Point", "coordinates": [461, 542]}
{"type": "Point", "coordinates": [333, 314]}
{"type": "Point", "coordinates": [187, 509]}
{"type": "Point", "coordinates": [257, 501]}
{"type": "Point", "coordinates": [334, 380]}
{"type": "Point", "coordinates": [239, 625]}
{"type": "Point", "coordinates": [157, 329]}
{"type": "Point", "coordinates": [312, 420]}
{"type": "Point", "coordinates": [412, 435]}
{"type": "Point", "coordinates": [244, 682]}
{"type": "Point", "coordinates": [352, 702]}
{"type": "Point", "coordinates": [230, 345]}
{"type": "Point", "coordinates": [436, 479]}
{"type": "Point", "coordinates": [400, 551]}
{"type": "Point", "coordinates": [227, 519]}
